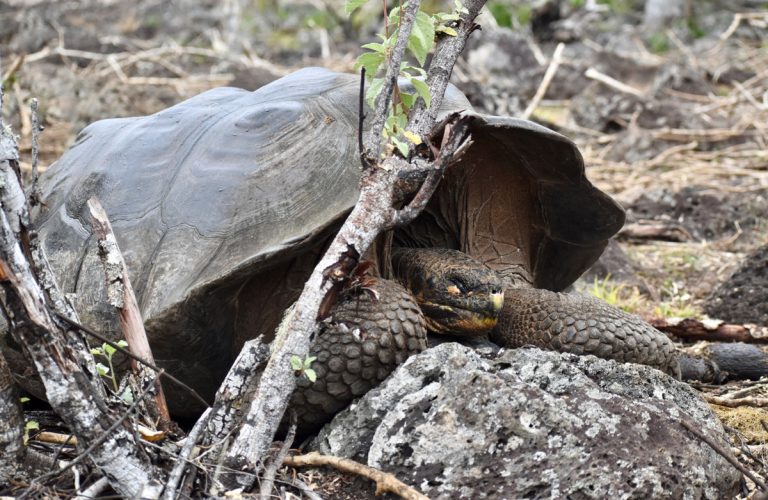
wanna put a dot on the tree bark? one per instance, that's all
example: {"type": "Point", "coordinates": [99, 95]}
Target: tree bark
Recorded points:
{"type": "Point", "coordinates": [120, 295]}
{"type": "Point", "coordinates": [63, 368]}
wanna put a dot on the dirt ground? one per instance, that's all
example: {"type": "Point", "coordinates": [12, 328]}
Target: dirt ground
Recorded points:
{"type": "Point", "coordinates": [672, 120]}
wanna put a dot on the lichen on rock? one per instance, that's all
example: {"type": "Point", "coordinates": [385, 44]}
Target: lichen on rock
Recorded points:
{"type": "Point", "coordinates": [530, 423]}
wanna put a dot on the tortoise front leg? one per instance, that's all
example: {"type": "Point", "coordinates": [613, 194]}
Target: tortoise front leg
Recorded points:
{"type": "Point", "coordinates": [581, 324]}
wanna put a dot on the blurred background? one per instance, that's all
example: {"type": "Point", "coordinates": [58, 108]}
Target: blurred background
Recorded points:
{"type": "Point", "coordinates": [668, 101]}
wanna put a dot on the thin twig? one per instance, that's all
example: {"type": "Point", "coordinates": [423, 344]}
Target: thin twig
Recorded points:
{"type": "Point", "coordinates": [102, 338]}
{"type": "Point", "coordinates": [361, 120]}
{"type": "Point", "coordinates": [93, 490]}
{"type": "Point", "coordinates": [447, 51]}
{"type": "Point", "coordinates": [735, 403]}
{"type": "Point", "coordinates": [456, 140]}
{"type": "Point", "coordinates": [724, 453]}
{"type": "Point", "coordinates": [407, 19]}
{"type": "Point", "coordinates": [121, 296]}
{"type": "Point", "coordinates": [612, 82]}
{"type": "Point", "coordinates": [34, 195]}
{"type": "Point", "coordinates": [178, 470]}
{"type": "Point", "coordinates": [385, 482]}
{"type": "Point", "coordinates": [270, 470]}
{"type": "Point", "coordinates": [557, 58]}
{"type": "Point", "coordinates": [104, 436]}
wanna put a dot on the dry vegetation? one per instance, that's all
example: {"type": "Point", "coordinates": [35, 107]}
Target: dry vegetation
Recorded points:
{"type": "Point", "coordinates": [664, 114]}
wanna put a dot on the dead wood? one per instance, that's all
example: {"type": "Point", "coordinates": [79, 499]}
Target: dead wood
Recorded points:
{"type": "Point", "coordinates": [120, 295]}
{"type": "Point", "coordinates": [101, 338]}
{"type": "Point", "coordinates": [712, 330]}
{"type": "Point", "coordinates": [70, 389]}
{"type": "Point", "coordinates": [385, 482]}
{"type": "Point", "coordinates": [270, 470]}
{"type": "Point", "coordinates": [373, 214]}
{"type": "Point", "coordinates": [725, 454]}
{"type": "Point", "coordinates": [736, 402]}
{"type": "Point", "coordinates": [11, 425]}
{"type": "Point", "coordinates": [182, 459]}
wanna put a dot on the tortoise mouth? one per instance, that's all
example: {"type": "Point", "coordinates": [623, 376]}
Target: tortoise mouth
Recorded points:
{"type": "Point", "coordinates": [446, 319]}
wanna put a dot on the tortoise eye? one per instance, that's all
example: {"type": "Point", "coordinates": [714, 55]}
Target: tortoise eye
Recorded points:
{"type": "Point", "coordinates": [462, 287]}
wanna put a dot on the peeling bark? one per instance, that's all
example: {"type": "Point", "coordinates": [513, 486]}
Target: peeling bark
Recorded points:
{"type": "Point", "coordinates": [120, 295]}
{"type": "Point", "coordinates": [11, 426]}
{"type": "Point", "coordinates": [62, 366]}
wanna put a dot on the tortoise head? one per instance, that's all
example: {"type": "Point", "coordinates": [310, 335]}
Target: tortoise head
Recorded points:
{"type": "Point", "coordinates": [518, 200]}
{"type": "Point", "coordinates": [457, 294]}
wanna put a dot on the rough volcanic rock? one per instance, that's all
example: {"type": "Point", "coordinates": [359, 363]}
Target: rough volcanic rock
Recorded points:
{"type": "Point", "coordinates": [743, 298]}
{"type": "Point", "coordinates": [534, 424]}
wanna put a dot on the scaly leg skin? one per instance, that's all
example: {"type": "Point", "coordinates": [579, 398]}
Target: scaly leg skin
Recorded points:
{"type": "Point", "coordinates": [581, 324]}
{"type": "Point", "coordinates": [366, 338]}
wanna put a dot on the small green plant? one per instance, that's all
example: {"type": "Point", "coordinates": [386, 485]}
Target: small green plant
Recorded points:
{"type": "Point", "coordinates": [617, 295]}
{"type": "Point", "coordinates": [376, 60]}
{"type": "Point", "coordinates": [658, 43]}
{"type": "Point", "coordinates": [29, 427]}
{"type": "Point", "coordinates": [108, 352]}
{"type": "Point", "coordinates": [304, 367]}
{"type": "Point", "coordinates": [676, 302]}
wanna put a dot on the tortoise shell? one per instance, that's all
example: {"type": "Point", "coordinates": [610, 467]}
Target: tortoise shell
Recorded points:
{"type": "Point", "coordinates": [222, 204]}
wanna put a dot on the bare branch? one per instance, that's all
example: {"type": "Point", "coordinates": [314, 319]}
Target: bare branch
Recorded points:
{"type": "Point", "coordinates": [385, 482]}
{"type": "Point", "coordinates": [62, 367]}
{"type": "Point", "coordinates": [725, 454]}
{"type": "Point", "coordinates": [455, 142]}
{"type": "Point", "coordinates": [372, 214]}
{"type": "Point", "coordinates": [407, 18]}
{"type": "Point", "coordinates": [159, 371]}
{"type": "Point", "coordinates": [34, 195]}
{"type": "Point", "coordinates": [237, 384]}
{"type": "Point", "coordinates": [446, 54]}
{"type": "Point", "coordinates": [11, 424]}
{"type": "Point", "coordinates": [178, 470]}
{"type": "Point", "coordinates": [121, 296]}
{"type": "Point", "coordinates": [268, 478]}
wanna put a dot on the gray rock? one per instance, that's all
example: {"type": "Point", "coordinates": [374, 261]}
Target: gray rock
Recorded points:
{"type": "Point", "coordinates": [534, 424]}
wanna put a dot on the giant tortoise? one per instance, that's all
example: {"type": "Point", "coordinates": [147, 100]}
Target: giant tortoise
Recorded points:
{"type": "Point", "coordinates": [223, 203]}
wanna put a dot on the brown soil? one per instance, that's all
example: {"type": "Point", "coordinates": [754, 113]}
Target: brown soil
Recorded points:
{"type": "Point", "coordinates": [676, 131]}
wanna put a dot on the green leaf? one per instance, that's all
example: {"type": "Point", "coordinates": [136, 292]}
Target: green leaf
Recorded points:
{"type": "Point", "coordinates": [24, 399]}
{"type": "Point", "coordinates": [310, 374]}
{"type": "Point", "coordinates": [447, 30]}
{"type": "Point", "coordinates": [401, 146]}
{"type": "Point", "coordinates": [408, 100]}
{"type": "Point", "coordinates": [373, 91]}
{"type": "Point", "coordinates": [351, 5]}
{"type": "Point", "coordinates": [445, 17]}
{"type": "Point", "coordinates": [376, 47]}
{"type": "Point", "coordinates": [394, 17]}
{"type": "Point", "coordinates": [296, 364]}
{"type": "Point", "coordinates": [97, 351]}
{"type": "Point", "coordinates": [412, 70]}
{"type": "Point", "coordinates": [122, 343]}
{"type": "Point", "coordinates": [422, 37]}
{"type": "Point", "coordinates": [423, 90]}
{"type": "Point", "coordinates": [371, 62]}
{"type": "Point", "coordinates": [103, 370]}
{"type": "Point", "coordinates": [127, 396]}
{"type": "Point", "coordinates": [308, 361]}
{"type": "Point", "coordinates": [109, 350]}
